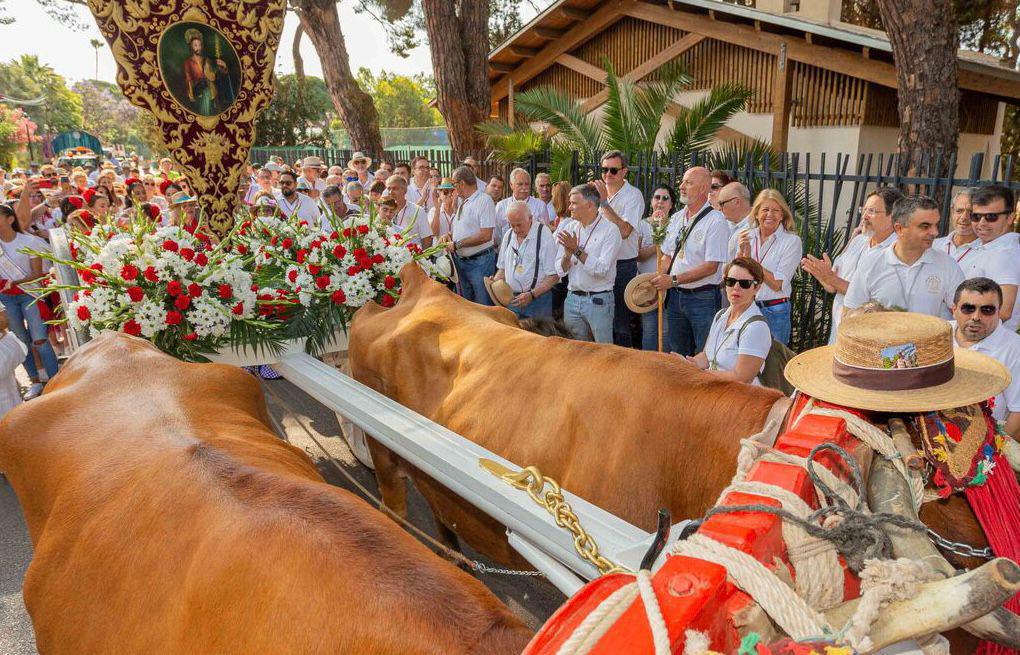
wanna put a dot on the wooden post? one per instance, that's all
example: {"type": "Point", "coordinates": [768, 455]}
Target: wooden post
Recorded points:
{"type": "Point", "coordinates": [781, 102]}
{"type": "Point", "coordinates": [510, 101]}
{"type": "Point", "coordinates": [658, 265]}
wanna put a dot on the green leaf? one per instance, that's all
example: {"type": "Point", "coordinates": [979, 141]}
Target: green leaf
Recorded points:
{"type": "Point", "coordinates": [696, 127]}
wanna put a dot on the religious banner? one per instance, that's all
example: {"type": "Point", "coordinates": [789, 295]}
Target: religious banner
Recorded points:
{"type": "Point", "coordinates": [205, 71]}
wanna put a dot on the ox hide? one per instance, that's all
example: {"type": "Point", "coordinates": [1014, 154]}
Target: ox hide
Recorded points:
{"type": "Point", "coordinates": [627, 430]}
{"type": "Point", "coordinates": [168, 518]}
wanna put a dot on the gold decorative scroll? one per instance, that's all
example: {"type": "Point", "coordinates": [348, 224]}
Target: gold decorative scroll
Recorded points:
{"type": "Point", "coordinates": [204, 69]}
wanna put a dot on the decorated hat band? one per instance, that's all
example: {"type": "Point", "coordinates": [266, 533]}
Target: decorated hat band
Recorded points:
{"type": "Point", "coordinates": [894, 379]}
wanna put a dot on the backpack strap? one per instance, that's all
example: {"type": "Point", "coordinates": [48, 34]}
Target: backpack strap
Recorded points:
{"type": "Point", "coordinates": [754, 319]}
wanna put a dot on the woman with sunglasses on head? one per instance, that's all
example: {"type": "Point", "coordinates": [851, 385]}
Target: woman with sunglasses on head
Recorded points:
{"type": "Point", "coordinates": [663, 204]}
{"type": "Point", "coordinates": [770, 240]}
{"type": "Point", "coordinates": [739, 340]}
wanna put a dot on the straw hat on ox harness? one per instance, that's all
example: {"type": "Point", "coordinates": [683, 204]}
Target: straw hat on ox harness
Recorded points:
{"type": "Point", "coordinates": [897, 362]}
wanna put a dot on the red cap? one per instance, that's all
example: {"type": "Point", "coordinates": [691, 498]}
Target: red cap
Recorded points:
{"type": "Point", "coordinates": [131, 180]}
{"type": "Point", "coordinates": [163, 186]}
{"type": "Point", "coordinates": [89, 195]}
{"type": "Point", "coordinates": [76, 201]}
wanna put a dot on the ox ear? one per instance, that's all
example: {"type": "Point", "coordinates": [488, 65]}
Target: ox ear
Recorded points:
{"type": "Point", "coordinates": [413, 280]}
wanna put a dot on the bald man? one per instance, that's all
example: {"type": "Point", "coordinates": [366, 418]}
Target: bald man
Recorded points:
{"type": "Point", "coordinates": [694, 252]}
{"type": "Point", "coordinates": [735, 204]}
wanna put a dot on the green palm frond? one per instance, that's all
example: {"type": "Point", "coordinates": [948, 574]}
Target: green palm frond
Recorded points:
{"type": "Point", "coordinates": [653, 100]}
{"type": "Point", "coordinates": [564, 114]}
{"type": "Point", "coordinates": [696, 127]}
{"type": "Point", "coordinates": [617, 113]}
{"type": "Point", "coordinates": [561, 156]}
{"type": "Point", "coordinates": [508, 145]}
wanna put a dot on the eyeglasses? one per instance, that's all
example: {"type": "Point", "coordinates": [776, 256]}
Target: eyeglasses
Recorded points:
{"type": "Point", "coordinates": [285, 183]}
{"type": "Point", "coordinates": [445, 191]}
{"type": "Point", "coordinates": [716, 186]}
{"type": "Point", "coordinates": [744, 284]}
{"type": "Point", "coordinates": [986, 310]}
{"type": "Point", "coordinates": [988, 217]}
{"type": "Point", "coordinates": [612, 170]}
{"type": "Point", "coordinates": [869, 211]}
{"type": "Point", "coordinates": [722, 203]}
{"type": "Point", "coordinates": [663, 198]}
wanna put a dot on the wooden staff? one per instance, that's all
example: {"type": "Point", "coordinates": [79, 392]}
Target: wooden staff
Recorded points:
{"type": "Point", "coordinates": [658, 292]}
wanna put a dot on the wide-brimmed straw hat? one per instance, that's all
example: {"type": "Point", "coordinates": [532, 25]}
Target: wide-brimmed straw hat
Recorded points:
{"type": "Point", "coordinates": [897, 362]}
{"type": "Point", "coordinates": [445, 268]}
{"type": "Point", "coordinates": [641, 297]}
{"type": "Point", "coordinates": [181, 198]}
{"type": "Point", "coordinates": [446, 184]}
{"type": "Point", "coordinates": [312, 162]}
{"type": "Point", "coordinates": [357, 157]}
{"type": "Point", "coordinates": [499, 291]}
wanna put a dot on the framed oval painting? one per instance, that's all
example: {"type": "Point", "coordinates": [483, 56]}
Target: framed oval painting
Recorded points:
{"type": "Point", "coordinates": [199, 67]}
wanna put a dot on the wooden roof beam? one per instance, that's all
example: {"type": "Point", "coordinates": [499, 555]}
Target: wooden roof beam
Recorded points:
{"type": "Point", "coordinates": [524, 51]}
{"type": "Point", "coordinates": [582, 67]}
{"type": "Point", "coordinates": [502, 67]}
{"type": "Point", "coordinates": [573, 13]}
{"type": "Point", "coordinates": [548, 33]}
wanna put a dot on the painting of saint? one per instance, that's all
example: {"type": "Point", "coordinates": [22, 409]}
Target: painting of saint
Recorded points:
{"type": "Point", "coordinates": [199, 67]}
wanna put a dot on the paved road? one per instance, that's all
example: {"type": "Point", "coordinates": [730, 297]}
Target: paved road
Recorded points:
{"type": "Point", "coordinates": [534, 600]}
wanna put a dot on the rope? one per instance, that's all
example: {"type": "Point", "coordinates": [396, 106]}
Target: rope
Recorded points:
{"type": "Point", "coordinates": [594, 626]}
{"type": "Point", "coordinates": [883, 582]}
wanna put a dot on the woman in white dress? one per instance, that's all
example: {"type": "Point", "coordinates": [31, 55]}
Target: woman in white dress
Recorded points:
{"type": "Point", "coordinates": [739, 340]}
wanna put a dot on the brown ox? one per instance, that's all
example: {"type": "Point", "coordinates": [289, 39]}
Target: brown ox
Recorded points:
{"type": "Point", "coordinates": [168, 518]}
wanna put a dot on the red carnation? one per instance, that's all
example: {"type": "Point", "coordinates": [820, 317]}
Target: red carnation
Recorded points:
{"type": "Point", "coordinates": [338, 297]}
{"type": "Point", "coordinates": [339, 251]}
{"type": "Point", "coordinates": [334, 235]}
{"type": "Point", "coordinates": [174, 288]}
{"type": "Point", "coordinates": [135, 294]}
{"type": "Point", "coordinates": [301, 255]}
{"type": "Point", "coordinates": [353, 270]}
{"type": "Point", "coordinates": [201, 259]}
{"type": "Point", "coordinates": [387, 301]}
{"type": "Point", "coordinates": [150, 274]}
{"type": "Point", "coordinates": [287, 243]}
{"type": "Point", "coordinates": [173, 318]}
{"type": "Point", "coordinates": [238, 309]}
{"type": "Point", "coordinates": [347, 232]}
{"type": "Point", "coordinates": [87, 276]}
{"type": "Point", "coordinates": [83, 313]}
{"type": "Point", "coordinates": [360, 253]}
{"type": "Point", "coordinates": [194, 290]}
{"type": "Point", "coordinates": [362, 229]}
{"type": "Point", "coordinates": [170, 245]}
{"type": "Point", "coordinates": [389, 282]}
{"type": "Point", "coordinates": [129, 272]}
{"type": "Point", "coordinates": [313, 269]}
{"type": "Point", "coordinates": [292, 275]}
{"type": "Point", "coordinates": [377, 259]}
{"type": "Point", "coordinates": [241, 249]}
{"type": "Point", "coordinates": [190, 336]}
{"type": "Point", "coordinates": [182, 302]}
{"type": "Point", "coordinates": [188, 254]}
{"type": "Point", "coordinates": [226, 292]}
{"type": "Point", "coordinates": [322, 282]}
{"type": "Point", "coordinates": [132, 327]}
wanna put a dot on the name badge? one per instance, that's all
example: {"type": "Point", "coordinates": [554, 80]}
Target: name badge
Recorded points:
{"type": "Point", "coordinates": [681, 254]}
{"type": "Point", "coordinates": [519, 269]}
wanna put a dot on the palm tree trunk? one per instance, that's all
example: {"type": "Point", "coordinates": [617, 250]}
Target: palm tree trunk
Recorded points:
{"type": "Point", "coordinates": [321, 23]}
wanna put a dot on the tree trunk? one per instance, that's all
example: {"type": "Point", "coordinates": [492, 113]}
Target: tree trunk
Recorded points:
{"type": "Point", "coordinates": [321, 23]}
{"type": "Point", "coordinates": [299, 63]}
{"type": "Point", "coordinates": [924, 39]}
{"type": "Point", "coordinates": [458, 35]}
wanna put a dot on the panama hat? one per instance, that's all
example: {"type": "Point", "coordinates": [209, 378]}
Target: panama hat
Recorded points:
{"type": "Point", "coordinates": [446, 184]}
{"type": "Point", "coordinates": [312, 162]}
{"type": "Point", "coordinates": [181, 198]}
{"type": "Point", "coordinates": [640, 296]}
{"type": "Point", "coordinates": [357, 157]}
{"type": "Point", "coordinates": [499, 291]}
{"type": "Point", "coordinates": [896, 362]}
{"type": "Point", "coordinates": [445, 269]}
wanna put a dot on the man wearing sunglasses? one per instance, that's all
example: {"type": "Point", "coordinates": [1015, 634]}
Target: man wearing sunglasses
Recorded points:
{"type": "Point", "coordinates": [623, 205]}
{"type": "Point", "coordinates": [470, 239]}
{"type": "Point", "coordinates": [998, 256]}
{"type": "Point", "coordinates": [976, 326]}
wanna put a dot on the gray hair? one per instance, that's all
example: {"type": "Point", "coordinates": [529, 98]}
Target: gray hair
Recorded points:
{"type": "Point", "coordinates": [517, 204]}
{"type": "Point", "coordinates": [741, 190]}
{"type": "Point", "coordinates": [588, 192]}
{"type": "Point", "coordinates": [465, 174]}
{"type": "Point", "coordinates": [352, 186]}
{"type": "Point", "coordinates": [614, 154]}
{"type": "Point", "coordinates": [907, 205]}
{"type": "Point", "coordinates": [965, 191]}
{"type": "Point", "coordinates": [518, 172]}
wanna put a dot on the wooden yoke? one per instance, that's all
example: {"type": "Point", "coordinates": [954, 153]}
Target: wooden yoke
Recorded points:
{"type": "Point", "coordinates": [695, 594]}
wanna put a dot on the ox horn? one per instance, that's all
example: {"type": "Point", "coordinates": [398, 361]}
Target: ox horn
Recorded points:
{"type": "Point", "coordinates": [888, 492]}
{"type": "Point", "coordinates": [940, 605]}
{"type": "Point", "coordinates": [1011, 451]}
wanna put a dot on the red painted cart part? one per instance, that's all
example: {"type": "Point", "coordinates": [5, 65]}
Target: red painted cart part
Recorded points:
{"type": "Point", "coordinates": [694, 594]}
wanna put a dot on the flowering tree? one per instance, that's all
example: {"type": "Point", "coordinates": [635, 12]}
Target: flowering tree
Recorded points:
{"type": "Point", "coordinates": [16, 130]}
{"type": "Point", "coordinates": [107, 113]}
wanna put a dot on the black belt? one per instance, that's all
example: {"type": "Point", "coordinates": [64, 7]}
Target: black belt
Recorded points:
{"type": "Point", "coordinates": [772, 303]}
{"type": "Point", "coordinates": [476, 255]}
{"type": "Point", "coordinates": [589, 293]}
{"type": "Point", "coordinates": [622, 261]}
{"type": "Point", "coordinates": [703, 287]}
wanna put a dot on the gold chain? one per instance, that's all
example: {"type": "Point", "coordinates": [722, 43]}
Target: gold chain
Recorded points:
{"type": "Point", "coordinates": [531, 480]}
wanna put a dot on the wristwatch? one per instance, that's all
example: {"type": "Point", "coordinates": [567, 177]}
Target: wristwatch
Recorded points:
{"type": "Point", "coordinates": [579, 252]}
{"type": "Point", "coordinates": [676, 283]}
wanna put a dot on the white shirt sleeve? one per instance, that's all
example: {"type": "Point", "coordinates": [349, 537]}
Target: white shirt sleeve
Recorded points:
{"type": "Point", "coordinates": [1002, 266]}
{"type": "Point", "coordinates": [954, 278]}
{"type": "Point", "coordinates": [12, 354]}
{"type": "Point", "coordinates": [756, 340]}
{"type": "Point", "coordinates": [548, 265]}
{"type": "Point", "coordinates": [789, 259]}
{"type": "Point", "coordinates": [504, 253]}
{"type": "Point", "coordinates": [597, 263]}
{"type": "Point", "coordinates": [717, 238]}
{"type": "Point", "coordinates": [486, 212]}
{"type": "Point", "coordinates": [421, 224]}
{"type": "Point", "coordinates": [857, 292]}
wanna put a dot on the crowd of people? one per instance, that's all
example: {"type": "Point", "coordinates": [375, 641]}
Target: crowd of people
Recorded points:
{"type": "Point", "coordinates": [724, 260]}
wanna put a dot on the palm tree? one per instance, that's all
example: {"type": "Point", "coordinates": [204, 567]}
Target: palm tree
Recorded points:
{"type": "Point", "coordinates": [630, 121]}
{"type": "Point", "coordinates": [96, 44]}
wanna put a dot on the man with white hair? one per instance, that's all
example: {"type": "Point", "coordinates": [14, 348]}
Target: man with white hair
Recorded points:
{"type": "Point", "coordinates": [409, 218]}
{"type": "Point", "coordinates": [520, 189]}
{"type": "Point", "coordinates": [543, 189]}
{"type": "Point", "coordinates": [527, 261]}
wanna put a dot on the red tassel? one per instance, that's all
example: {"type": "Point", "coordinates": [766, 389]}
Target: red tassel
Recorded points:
{"type": "Point", "coordinates": [996, 505]}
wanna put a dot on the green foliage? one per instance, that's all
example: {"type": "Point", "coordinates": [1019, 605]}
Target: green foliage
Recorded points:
{"type": "Point", "coordinates": [401, 101]}
{"type": "Point", "coordinates": [26, 78]}
{"type": "Point", "coordinates": [696, 127]}
{"type": "Point", "coordinates": [15, 129]}
{"type": "Point", "coordinates": [296, 116]}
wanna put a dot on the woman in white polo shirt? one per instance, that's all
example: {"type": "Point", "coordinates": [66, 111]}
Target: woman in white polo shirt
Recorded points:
{"type": "Point", "coordinates": [739, 340]}
{"type": "Point", "coordinates": [771, 241]}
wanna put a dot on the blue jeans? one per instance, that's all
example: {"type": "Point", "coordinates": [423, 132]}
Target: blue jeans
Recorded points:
{"type": "Point", "coordinates": [626, 270]}
{"type": "Point", "coordinates": [540, 307]}
{"type": "Point", "coordinates": [590, 318]}
{"type": "Point", "coordinates": [779, 319]}
{"type": "Point", "coordinates": [690, 319]}
{"type": "Point", "coordinates": [471, 273]}
{"type": "Point", "coordinates": [27, 324]}
{"type": "Point", "coordinates": [650, 331]}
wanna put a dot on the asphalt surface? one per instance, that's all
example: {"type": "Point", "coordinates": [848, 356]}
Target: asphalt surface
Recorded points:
{"type": "Point", "coordinates": [533, 599]}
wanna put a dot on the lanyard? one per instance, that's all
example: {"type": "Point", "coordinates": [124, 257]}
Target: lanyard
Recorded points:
{"type": "Point", "coordinates": [907, 292]}
{"type": "Point", "coordinates": [771, 241]}
{"type": "Point", "coordinates": [288, 209]}
{"type": "Point", "coordinates": [713, 362]}
{"type": "Point", "coordinates": [403, 212]}
{"type": "Point", "coordinates": [590, 234]}
{"type": "Point", "coordinates": [949, 246]}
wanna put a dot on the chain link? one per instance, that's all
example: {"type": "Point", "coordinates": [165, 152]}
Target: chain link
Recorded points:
{"type": "Point", "coordinates": [482, 568]}
{"type": "Point", "coordinates": [964, 550]}
{"type": "Point", "coordinates": [531, 480]}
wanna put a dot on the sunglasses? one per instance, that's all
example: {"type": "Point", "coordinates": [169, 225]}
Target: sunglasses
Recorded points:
{"type": "Point", "coordinates": [612, 170]}
{"type": "Point", "coordinates": [986, 310]}
{"type": "Point", "coordinates": [445, 191]}
{"type": "Point", "coordinates": [744, 284]}
{"type": "Point", "coordinates": [716, 186]}
{"type": "Point", "coordinates": [659, 197]}
{"type": "Point", "coordinates": [988, 217]}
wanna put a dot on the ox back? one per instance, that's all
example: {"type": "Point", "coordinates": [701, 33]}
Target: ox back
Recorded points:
{"type": "Point", "coordinates": [629, 431]}
{"type": "Point", "coordinates": [166, 517]}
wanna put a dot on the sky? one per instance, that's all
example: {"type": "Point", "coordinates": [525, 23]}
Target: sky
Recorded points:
{"type": "Point", "coordinates": [69, 53]}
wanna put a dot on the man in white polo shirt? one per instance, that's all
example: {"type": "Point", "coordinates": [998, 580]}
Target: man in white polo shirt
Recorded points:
{"type": "Point", "coordinates": [471, 239]}
{"type": "Point", "coordinates": [961, 243]}
{"type": "Point", "coordinates": [735, 204]}
{"type": "Point", "coordinates": [587, 253]}
{"type": "Point", "coordinates": [527, 261]}
{"type": "Point", "coordinates": [998, 256]}
{"type": "Point", "coordinates": [409, 218]}
{"type": "Point", "coordinates": [290, 202]}
{"type": "Point", "coordinates": [695, 249]}
{"type": "Point", "coordinates": [543, 189]}
{"type": "Point", "coordinates": [976, 326]}
{"type": "Point", "coordinates": [520, 191]}
{"type": "Point", "coordinates": [419, 191]}
{"type": "Point", "coordinates": [910, 275]}
{"type": "Point", "coordinates": [622, 205]}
